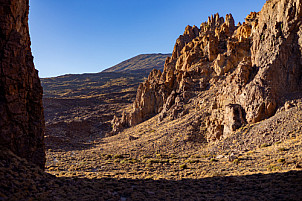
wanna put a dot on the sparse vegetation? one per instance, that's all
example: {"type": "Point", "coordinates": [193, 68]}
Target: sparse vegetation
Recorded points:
{"type": "Point", "coordinates": [236, 161]}
{"type": "Point", "coordinates": [118, 156]}
{"type": "Point", "coordinates": [192, 161]}
{"type": "Point", "coordinates": [213, 160]}
{"type": "Point", "coordinates": [273, 167]}
{"type": "Point", "coordinates": [281, 149]}
{"type": "Point", "coordinates": [264, 145]}
{"type": "Point", "coordinates": [183, 166]}
{"type": "Point", "coordinates": [154, 160]}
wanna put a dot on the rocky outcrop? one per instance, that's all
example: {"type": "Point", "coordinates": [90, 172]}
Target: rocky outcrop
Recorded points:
{"type": "Point", "coordinates": [251, 69]}
{"type": "Point", "coordinates": [198, 56]}
{"type": "Point", "coordinates": [275, 70]}
{"type": "Point", "coordinates": [21, 110]}
{"type": "Point", "coordinates": [271, 70]}
{"type": "Point", "coordinates": [276, 51]}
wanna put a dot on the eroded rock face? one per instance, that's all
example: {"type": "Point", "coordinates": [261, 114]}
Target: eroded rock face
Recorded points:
{"type": "Point", "coordinates": [21, 110]}
{"type": "Point", "coordinates": [276, 51]}
{"type": "Point", "coordinates": [199, 55]}
{"type": "Point", "coordinates": [271, 69]}
{"type": "Point", "coordinates": [251, 68]}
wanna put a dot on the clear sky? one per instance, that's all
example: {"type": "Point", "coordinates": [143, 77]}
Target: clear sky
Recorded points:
{"type": "Point", "coordinates": [78, 36]}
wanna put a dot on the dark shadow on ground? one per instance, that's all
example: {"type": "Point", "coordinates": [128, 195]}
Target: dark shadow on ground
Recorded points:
{"type": "Point", "coordinates": [275, 186]}
{"type": "Point", "coordinates": [21, 180]}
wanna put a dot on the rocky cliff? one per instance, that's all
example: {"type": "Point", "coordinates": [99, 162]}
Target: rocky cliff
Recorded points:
{"type": "Point", "coordinates": [250, 70]}
{"type": "Point", "coordinates": [21, 111]}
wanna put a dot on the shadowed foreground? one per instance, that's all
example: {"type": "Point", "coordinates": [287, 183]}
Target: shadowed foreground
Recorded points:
{"type": "Point", "coordinates": [23, 181]}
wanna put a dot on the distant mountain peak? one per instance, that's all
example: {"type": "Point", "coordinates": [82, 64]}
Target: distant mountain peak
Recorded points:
{"type": "Point", "coordinates": [140, 63]}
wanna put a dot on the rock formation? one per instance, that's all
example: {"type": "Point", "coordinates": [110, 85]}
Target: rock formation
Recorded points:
{"type": "Point", "coordinates": [21, 110]}
{"type": "Point", "coordinates": [251, 69]}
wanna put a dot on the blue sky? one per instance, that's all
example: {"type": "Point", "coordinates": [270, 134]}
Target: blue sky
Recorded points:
{"type": "Point", "coordinates": [80, 36]}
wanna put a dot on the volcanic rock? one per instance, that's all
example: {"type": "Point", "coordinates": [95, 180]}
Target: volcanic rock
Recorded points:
{"type": "Point", "coordinates": [21, 109]}
{"type": "Point", "coordinates": [253, 68]}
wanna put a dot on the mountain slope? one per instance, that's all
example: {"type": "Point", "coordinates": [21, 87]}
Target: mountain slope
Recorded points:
{"type": "Point", "coordinates": [90, 85]}
{"type": "Point", "coordinates": [126, 74]}
{"type": "Point", "coordinates": [81, 106]}
{"type": "Point", "coordinates": [141, 63]}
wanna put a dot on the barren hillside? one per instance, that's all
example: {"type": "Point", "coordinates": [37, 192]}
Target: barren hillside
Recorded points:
{"type": "Point", "coordinates": [80, 107]}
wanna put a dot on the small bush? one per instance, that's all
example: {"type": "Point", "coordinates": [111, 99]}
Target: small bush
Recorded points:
{"type": "Point", "coordinates": [149, 177]}
{"type": "Point", "coordinates": [124, 161]}
{"type": "Point", "coordinates": [147, 156]}
{"type": "Point", "coordinates": [154, 160]}
{"type": "Point", "coordinates": [192, 161]}
{"type": "Point", "coordinates": [282, 149]}
{"type": "Point", "coordinates": [236, 161]}
{"type": "Point", "coordinates": [183, 166]}
{"type": "Point", "coordinates": [118, 156]}
{"type": "Point", "coordinates": [273, 167]}
{"type": "Point", "coordinates": [173, 156]}
{"type": "Point", "coordinates": [133, 160]}
{"type": "Point", "coordinates": [205, 156]}
{"type": "Point", "coordinates": [213, 160]}
{"type": "Point", "coordinates": [264, 145]}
